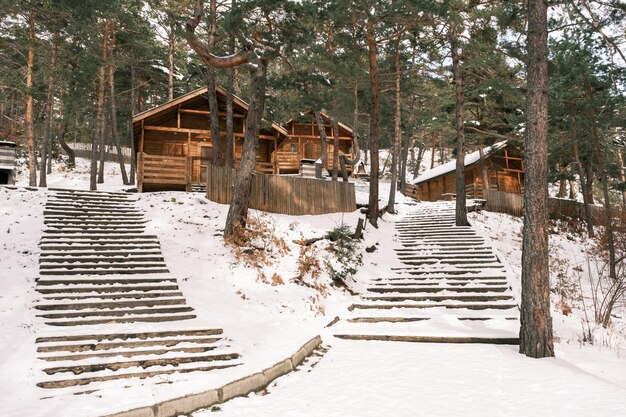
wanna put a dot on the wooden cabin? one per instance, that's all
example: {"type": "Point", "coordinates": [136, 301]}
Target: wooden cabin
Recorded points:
{"type": "Point", "coordinates": [174, 145]}
{"type": "Point", "coordinates": [305, 144]}
{"type": "Point", "coordinates": [7, 162]}
{"type": "Point", "coordinates": [505, 169]}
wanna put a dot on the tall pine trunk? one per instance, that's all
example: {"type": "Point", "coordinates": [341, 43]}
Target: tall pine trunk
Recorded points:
{"type": "Point", "coordinates": [113, 108]}
{"type": "Point", "coordinates": [536, 322]}
{"type": "Point", "coordinates": [171, 44]}
{"type": "Point", "coordinates": [238, 210]}
{"type": "Point", "coordinates": [133, 154]}
{"type": "Point", "coordinates": [622, 175]}
{"type": "Point", "coordinates": [372, 210]}
{"type": "Point", "coordinates": [320, 164]}
{"type": "Point", "coordinates": [98, 134]}
{"type": "Point", "coordinates": [214, 116]}
{"type": "Point", "coordinates": [585, 192]}
{"type": "Point", "coordinates": [230, 87]}
{"type": "Point", "coordinates": [398, 133]}
{"type": "Point", "coordinates": [28, 117]}
{"type": "Point", "coordinates": [47, 130]}
{"type": "Point", "coordinates": [461, 211]}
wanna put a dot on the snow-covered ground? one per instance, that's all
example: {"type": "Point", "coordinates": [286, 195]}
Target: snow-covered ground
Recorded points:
{"type": "Point", "coordinates": [266, 323]}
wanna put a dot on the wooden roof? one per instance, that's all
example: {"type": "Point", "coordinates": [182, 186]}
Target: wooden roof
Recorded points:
{"type": "Point", "coordinates": [195, 98]}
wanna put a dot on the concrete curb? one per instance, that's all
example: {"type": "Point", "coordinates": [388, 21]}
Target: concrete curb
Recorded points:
{"type": "Point", "coordinates": [238, 388]}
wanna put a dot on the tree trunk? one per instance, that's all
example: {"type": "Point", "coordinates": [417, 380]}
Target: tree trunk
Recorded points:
{"type": "Point", "coordinates": [391, 203]}
{"type": "Point", "coordinates": [461, 211]}
{"type": "Point", "coordinates": [372, 210]}
{"type": "Point", "coordinates": [585, 192]}
{"type": "Point", "coordinates": [97, 133]}
{"type": "Point", "coordinates": [589, 178]}
{"type": "Point", "coordinates": [71, 155]}
{"type": "Point", "coordinates": [114, 133]}
{"type": "Point", "coordinates": [432, 152]}
{"type": "Point", "coordinates": [483, 167]}
{"type": "Point", "coordinates": [212, 90]}
{"type": "Point", "coordinates": [405, 146]}
{"type": "Point", "coordinates": [320, 164]}
{"type": "Point", "coordinates": [238, 209]}
{"type": "Point", "coordinates": [536, 322]}
{"type": "Point", "coordinates": [171, 44]}
{"type": "Point", "coordinates": [133, 154]}
{"type": "Point", "coordinates": [47, 130]}
{"type": "Point", "coordinates": [230, 86]}
{"type": "Point", "coordinates": [622, 175]}
{"type": "Point", "coordinates": [28, 117]}
{"type": "Point", "coordinates": [608, 218]}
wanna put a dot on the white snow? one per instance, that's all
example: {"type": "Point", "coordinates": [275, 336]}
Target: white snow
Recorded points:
{"type": "Point", "coordinates": [267, 323]}
{"type": "Point", "coordinates": [470, 158]}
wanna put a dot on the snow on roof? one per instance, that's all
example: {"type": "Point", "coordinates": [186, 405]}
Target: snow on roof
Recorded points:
{"type": "Point", "coordinates": [470, 159]}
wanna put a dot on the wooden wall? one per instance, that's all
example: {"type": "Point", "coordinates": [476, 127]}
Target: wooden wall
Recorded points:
{"type": "Point", "coordinates": [285, 194]}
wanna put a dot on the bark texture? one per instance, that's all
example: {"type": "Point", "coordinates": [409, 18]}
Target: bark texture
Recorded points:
{"type": "Point", "coordinates": [372, 210]}
{"type": "Point", "coordinates": [47, 129]}
{"type": "Point", "coordinates": [238, 209]}
{"type": "Point", "coordinates": [28, 117]}
{"type": "Point", "coordinates": [397, 143]}
{"type": "Point", "coordinates": [113, 108]}
{"type": "Point", "coordinates": [461, 211]}
{"type": "Point", "coordinates": [536, 322]}
{"type": "Point", "coordinates": [98, 133]}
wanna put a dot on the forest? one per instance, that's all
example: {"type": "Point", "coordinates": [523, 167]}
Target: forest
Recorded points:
{"type": "Point", "coordinates": [412, 77]}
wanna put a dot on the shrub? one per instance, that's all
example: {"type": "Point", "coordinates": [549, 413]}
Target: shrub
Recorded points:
{"type": "Point", "coordinates": [345, 250]}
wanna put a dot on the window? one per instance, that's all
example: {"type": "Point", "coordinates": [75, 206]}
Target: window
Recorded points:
{"type": "Point", "coordinates": [292, 147]}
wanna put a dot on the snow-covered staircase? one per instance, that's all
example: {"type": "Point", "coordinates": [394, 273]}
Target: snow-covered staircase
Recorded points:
{"type": "Point", "coordinates": [450, 288]}
{"type": "Point", "coordinates": [110, 307]}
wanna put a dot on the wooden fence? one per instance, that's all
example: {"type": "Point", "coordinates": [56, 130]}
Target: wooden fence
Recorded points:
{"type": "Point", "coordinates": [83, 150]}
{"type": "Point", "coordinates": [284, 194]}
{"type": "Point", "coordinates": [511, 203]}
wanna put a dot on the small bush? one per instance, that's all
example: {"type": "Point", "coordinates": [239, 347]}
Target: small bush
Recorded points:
{"type": "Point", "coordinates": [345, 250]}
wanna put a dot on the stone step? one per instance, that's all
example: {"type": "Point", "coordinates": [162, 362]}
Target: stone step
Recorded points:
{"type": "Point", "coordinates": [108, 271]}
{"type": "Point", "coordinates": [81, 227]}
{"type": "Point", "coordinates": [103, 281]}
{"type": "Point", "coordinates": [101, 265]}
{"type": "Point", "coordinates": [451, 261]}
{"type": "Point", "coordinates": [145, 364]}
{"type": "Point", "coordinates": [141, 375]}
{"type": "Point", "coordinates": [463, 298]}
{"type": "Point", "coordinates": [413, 289]}
{"type": "Point", "coordinates": [127, 353]}
{"type": "Point", "coordinates": [436, 257]}
{"type": "Point", "coordinates": [111, 199]}
{"type": "Point", "coordinates": [448, 282]}
{"type": "Point", "coordinates": [70, 191]}
{"type": "Point", "coordinates": [101, 238]}
{"type": "Point", "coordinates": [58, 222]}
{"type": "Point", "coordinates": [102, 258]}
{"type": "Point", "coordinates": [97, 218]}
{"type": "Point", "coordinates": [98, 346]}
{"type": "Point", "coordinates": [116, 312]}
{"type": "Point", "coordinates": [103, 232]}
{"type": "Point", "coordinates": [432, 339]}
{"type": "Point", "coordinates": [78, 204]}
{"type": "Point", "coordinates": [442, 246]}
{"type": "Point", "coordinates": [435, 277]}
{"type": "Point", "coordinates": [392, 319]}
{"type": "Point", "coordinates": [105, 289]}
{"type": "Point", "coordinates": [475, 306]}
{"type": "Point", "coordinates": [120, 320]}
{"type": "Point", "coordinates": [116, 296]}
{"type": "Point", "coordinates": [130, 336]}
{"type": "Point", "coordinates": [110, 304]}
{"type": "Point", "coordinates": [85, 254]}
{"type": "Point", "coordinates": [72, 214]}
{"type": "Point", "coordinates": [69, 248]}
{"type": "Point", "coordinates": [460, 269]}
{"type": "Point", "coordinates": [68, 210]}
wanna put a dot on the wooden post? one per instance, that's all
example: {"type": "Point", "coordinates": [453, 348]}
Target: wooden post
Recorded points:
{"type": "Point", "coordinates": [140, 169]}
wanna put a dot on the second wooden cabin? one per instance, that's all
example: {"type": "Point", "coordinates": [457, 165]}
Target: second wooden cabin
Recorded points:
{"type": "Point", "coordinates": [174, 145]}
{"type": "Point", "coordinates": [504, 165]}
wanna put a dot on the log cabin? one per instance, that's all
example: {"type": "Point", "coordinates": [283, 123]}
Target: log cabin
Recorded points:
{"type": "Point", "coordinates": [504, 165]}
{"type": "Point", "coordinates": [305, 144]}
{"type": "Point", "coordinates": [7, 162]}
{"type": "Point", "coordinates": [174, 145]}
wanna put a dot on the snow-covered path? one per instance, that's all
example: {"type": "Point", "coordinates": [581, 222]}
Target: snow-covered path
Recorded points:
{"type": "Point", "coordinates": [413, 379]}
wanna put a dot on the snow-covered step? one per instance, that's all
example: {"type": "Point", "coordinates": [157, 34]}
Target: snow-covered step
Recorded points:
{"type": "Point", "coordinates": [100, 270]}
{"type": "Point", "coordinates": [431, 289]}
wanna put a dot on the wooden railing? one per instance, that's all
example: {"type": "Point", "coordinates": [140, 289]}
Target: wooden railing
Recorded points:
{"type": "Point", "coordinates": [163, 170]}
{"type": "Point", "coordinates": [284, 194]}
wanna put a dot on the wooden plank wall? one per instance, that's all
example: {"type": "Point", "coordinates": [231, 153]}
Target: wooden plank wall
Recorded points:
{"type": "Point", "coordinates": [513, 204]}
{"type": "Point", "coordinates": [285, 194]}
{"type": "Point", "coordinates": [412, 191]}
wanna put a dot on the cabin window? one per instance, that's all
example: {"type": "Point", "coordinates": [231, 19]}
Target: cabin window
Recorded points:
{"type": "Point", "coordinates": [292, 148]}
